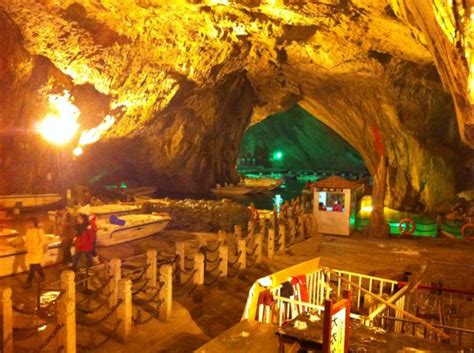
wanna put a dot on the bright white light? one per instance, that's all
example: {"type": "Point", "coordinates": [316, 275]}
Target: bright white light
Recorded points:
{"type": "Point", "coordinates": [265, 281]}
{"type": "Point", "coordinates": [60, 125]}
{"type": "Point", "coordinates": [78, 151]}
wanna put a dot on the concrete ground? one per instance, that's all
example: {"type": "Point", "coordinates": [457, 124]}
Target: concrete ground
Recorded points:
{"type": "Point", "coordinates": [210, 311]}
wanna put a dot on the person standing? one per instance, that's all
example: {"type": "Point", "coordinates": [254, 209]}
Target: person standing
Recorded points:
{"type": "Point", "coordinates": [67, 234]}
{"type": "Point", "coordinates": [35, 244]}
{"type": "Point", "coordinates": [93, 228]}
{"type": "Point", "coordinates": [84, 242]}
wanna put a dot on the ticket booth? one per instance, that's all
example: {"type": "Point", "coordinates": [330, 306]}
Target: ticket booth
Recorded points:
{"type": "Point", "coordinates": [335, 202]}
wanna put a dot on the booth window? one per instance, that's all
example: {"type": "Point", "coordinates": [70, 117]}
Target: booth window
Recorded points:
{"type": "Point", "coordinates": [331, 201]}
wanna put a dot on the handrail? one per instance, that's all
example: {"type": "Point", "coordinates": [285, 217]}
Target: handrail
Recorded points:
{"type": "Point", "coordinates": [406, 313]}
{"type": "Point", "coordinates": [450, 328]}
{"type": "Point", "coordinates": [391, 281]}
{"type": "Point", "coordinates": [440, 289]}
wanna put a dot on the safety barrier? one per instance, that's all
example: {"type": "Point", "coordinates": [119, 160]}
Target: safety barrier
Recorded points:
{"type": "Point", "coordinates": [376, 301]}
{"type": "Point", "coordinates": [105, 300]}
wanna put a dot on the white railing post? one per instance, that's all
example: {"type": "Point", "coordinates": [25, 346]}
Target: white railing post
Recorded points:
{"type": "Point", "coordinates": [199, 269]}
{"type": "Point", "coordinates": [224, 260]}
{"type": "Point", "coordinates": [67, 284]}
{"type": "Point", "coordinates": [124, 311]}
{"type": "Point", "coordinates": [301, 228]}
{"type": "Point", "coordinates": [292, 232]}
{"type": "Point", "coordinates": [282, 239]}
{"type": "Point", "coordinates": [115, 276]}
{"type": "Point", "coordinates": [251, 230]}
{"type": "Point", "coordinates": [259, 249]}
{"type": "Point", "coordinates": [7, 319]}
{"type": "Point", "coordinates": [263, 227]}
{"type": "Point", "coordinates": [271, 243]}
{"type": "Point", "coordinates": [67, 312]}
{"type": "Point", "coordinates": [151, 263]}
{"type": "Point", "coordinates": [237, 231]}
{"type": "Point", "coordinates": [242, 250]}
{"type": "Point", "coordinates": [67, 318]}
{"type": "Point", "coordinates": [181, 253]}
{"type": "Point", "coordinates": [166, 292]}
{"type": "Point", "coordinates": [222, 237]}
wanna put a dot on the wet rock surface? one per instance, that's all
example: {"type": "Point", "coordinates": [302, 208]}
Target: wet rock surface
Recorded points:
{"type": "Point", "coordinates": [185, 79]}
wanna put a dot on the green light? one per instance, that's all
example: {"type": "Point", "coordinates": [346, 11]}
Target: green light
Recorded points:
{"type": "Point", "coordinates": [278, 156]}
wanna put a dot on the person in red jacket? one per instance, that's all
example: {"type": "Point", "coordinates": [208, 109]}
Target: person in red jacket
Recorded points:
{"type": "Point", "coordinates": [84, 242]}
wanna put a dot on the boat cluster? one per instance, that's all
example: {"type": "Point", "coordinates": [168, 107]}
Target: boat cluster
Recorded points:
{"type": "Point", "coordinates": [116, 223]}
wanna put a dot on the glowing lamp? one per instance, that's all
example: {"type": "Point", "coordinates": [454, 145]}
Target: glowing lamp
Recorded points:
{"type": "Point", "coordinates": [57, 130]}
{"type": "Point", "coordinates": [77, 151]}
{"type": "Point", "coordinates": [60, 125]}
{"type": "Point", "coordinates": [278, 156]}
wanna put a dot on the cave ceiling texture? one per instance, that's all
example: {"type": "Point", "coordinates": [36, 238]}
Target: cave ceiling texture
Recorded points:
{"type": "Point", "coordinates": [185, 79]}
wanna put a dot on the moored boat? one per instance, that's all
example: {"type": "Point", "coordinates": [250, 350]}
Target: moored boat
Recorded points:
{"type": "Point", "coordinates": [28, 200]}
{"type": "Point", "coordinates": [236, 190]}
{"type": "Point", "coordinates": [140, 191]}
{"type": "Point", "coordinates": [136, 226]}
{"type": "Point", "coordinates": [105, 211]}
{"type": "Point", "coordinates": [13, 254]}
{"type": "Point", "coordinates": [262, 183]}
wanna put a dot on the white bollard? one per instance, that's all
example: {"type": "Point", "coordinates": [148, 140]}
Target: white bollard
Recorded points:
{"type": "Point", "coordinates": [67, 318]}
{"type": "Point", "coordinates": [199, 269]}
{"type": "Point", "coordinates": [224, 258]}
{"type": "Point", "coordinates": [115, 276]}
{"type": "Point", "coordinates": [151, 262]}
{"type": "Point", "coordinates": [124, 311]}
{"type": "Point", "coordinates": [166, 292]}
{"type": "Point", "coordinates": [242, 253]}
{"type": "Point", "coordinates": [259, 249]}
{"type": "Point", "coordinates": [282, 239]}
{"type": "Point", "coordinates": [7, 319]}
{"type": "Point", "coordinates": [271, 243]}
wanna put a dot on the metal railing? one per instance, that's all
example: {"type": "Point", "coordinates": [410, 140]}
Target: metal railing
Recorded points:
{"type": "Point", "coordinates": [460, 337]}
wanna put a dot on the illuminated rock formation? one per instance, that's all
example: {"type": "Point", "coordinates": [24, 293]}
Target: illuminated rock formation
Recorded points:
{"type": "Point", "coordinates": [184, 79]}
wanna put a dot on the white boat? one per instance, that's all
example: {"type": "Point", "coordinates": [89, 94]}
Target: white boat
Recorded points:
{"type": "Point", "coordinates": [141, 191]}
{"type": "Point", "coordinates": [28, 200]}
{"type": "Point", "coordinates": [105, 211]}
{"type": "Point", "coordinates": [13, 256]}
{"type": "Point", "coordinates": [136, 226]}
{"type": "Point", "coordinates": [262, 183]}
{"type": "Point", "coordinates": [6, 233]}
{"type": "Point", "coordinates": [236, 190]}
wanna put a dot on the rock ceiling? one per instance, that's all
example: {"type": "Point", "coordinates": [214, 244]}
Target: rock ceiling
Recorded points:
{"type": "Point", "coordinates": [184, 79]}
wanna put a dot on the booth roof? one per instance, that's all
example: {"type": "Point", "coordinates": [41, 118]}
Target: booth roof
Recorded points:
{"type": "Point", "coordinates": [336, 182]}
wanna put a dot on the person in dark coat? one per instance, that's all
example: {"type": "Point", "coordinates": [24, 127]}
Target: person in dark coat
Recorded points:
{"type": "Point", "coordinates": [84, 242]}
{"type": "Point", "coordinates": [67, 234]}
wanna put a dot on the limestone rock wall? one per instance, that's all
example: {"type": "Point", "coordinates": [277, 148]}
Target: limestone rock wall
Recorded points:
{"type": "Point", "coordinates": [184, 80]}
